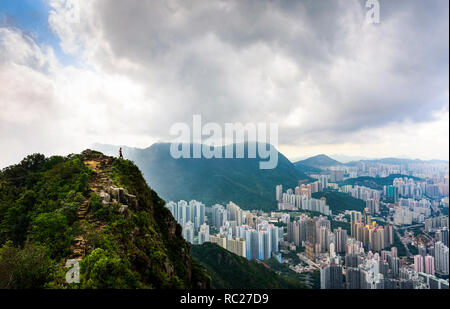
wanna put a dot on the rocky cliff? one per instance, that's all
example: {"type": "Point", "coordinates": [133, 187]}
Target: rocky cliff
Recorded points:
{"type": "Point", "coordinates": [95, 209]}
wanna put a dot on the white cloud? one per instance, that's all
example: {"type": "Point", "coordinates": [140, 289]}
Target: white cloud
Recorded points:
{"type": "Point", "coordinates": [333, 83]}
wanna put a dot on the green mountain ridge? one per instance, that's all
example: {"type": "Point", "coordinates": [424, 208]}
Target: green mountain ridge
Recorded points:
{"type": "Point", "coordinates": [97, 210]}
{"type": "Point", "coordinates": [211, 180]}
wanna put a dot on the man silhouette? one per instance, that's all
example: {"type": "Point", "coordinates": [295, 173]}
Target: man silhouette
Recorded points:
{"type": "Point", "coordinates": [120, 153]}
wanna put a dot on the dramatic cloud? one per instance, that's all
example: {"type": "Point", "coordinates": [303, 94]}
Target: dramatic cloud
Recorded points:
{"type": "Point", "coordinates": [332, 82]}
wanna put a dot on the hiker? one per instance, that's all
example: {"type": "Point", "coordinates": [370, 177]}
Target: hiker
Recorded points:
{"type": "Point", "coordinates": [120, 153]}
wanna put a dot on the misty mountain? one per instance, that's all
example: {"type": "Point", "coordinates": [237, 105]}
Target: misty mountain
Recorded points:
{"type": "Point", "coordinates": [211, 180]}
{"type": "Point", "coordinates": [397, 161]}
{"type": "Point", "coordinates": [319, 161]}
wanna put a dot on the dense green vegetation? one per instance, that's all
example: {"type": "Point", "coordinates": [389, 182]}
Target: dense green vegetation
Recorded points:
{"type": "Point", "coordinates": [212, 180]}
{"type": "Point", "coordinates": [376, 183]}
{"type": "Point", "coordinates": [342, 225]}
{"type": "Point", "coordinates": [401, 250]}
{"type": "Point", "coordinates": [319, 161]}
{"type": "Point", "coordinates": [293, 257]}
{"type": "Point", "coordinates": [315, 279]}
{"type": "Point", "coordinates": [228, 270]}
{"type": "Point", "coordinates": [339, 201]}
{"type": "Point", "coordinates": [39, 200]}
{"type": "Point", "coordinates": [413, 249]}
{"type": "Point", "coordinates": [309, 213]}
{"type": "Point", "coordinates": [284, 271]}
{"type": "Point", "coordinates": [307, 168]}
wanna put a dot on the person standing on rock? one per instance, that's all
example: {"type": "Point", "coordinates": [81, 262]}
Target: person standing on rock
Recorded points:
{"type": "Point", "coordinates": [120, 153]}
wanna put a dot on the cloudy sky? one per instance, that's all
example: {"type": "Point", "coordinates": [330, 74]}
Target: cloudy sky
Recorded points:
{"type": "Point", "coordinates": [73, 73]}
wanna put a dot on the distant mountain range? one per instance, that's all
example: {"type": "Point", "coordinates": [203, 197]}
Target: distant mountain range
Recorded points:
{"type": "Point", "coordinates": [397, 161]}
{"type": "Point", "coordinates": [314, 164]}
{"type": "Point", "coordinates": [319, 161]}
{"type": "Point", "coordinates": [210, 180]}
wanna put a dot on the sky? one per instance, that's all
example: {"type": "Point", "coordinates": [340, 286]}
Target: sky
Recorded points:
{"type": "Point", "coordinates": [74, 73]}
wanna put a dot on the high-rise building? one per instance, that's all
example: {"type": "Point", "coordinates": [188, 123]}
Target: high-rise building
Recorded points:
{"type": "Point", "coordinates": [188, 232]}
{"type": "Point", "coordinates": [422, 250]}
{"type": "Point", "coordinates": [441, 257]}
{"type": "Point", "coordinates": [392, 192]}
{"type": "Point", "coordinates": [355, 217]}
{"type": "Point", "coordinates": [418, 263]}
{"type": "Point", "coordinates": [219, 215]}
{"type": "Point", "coordinates": [331, 277]}
{"type": "Point", "coordinates": [336, 175]}
{"type": "Point", "coordinates": [219, 239]}
{"type": "Point", "coordinates": [444, 235]}
{"type": "Point", "coordinates": [394, 251]}
{"type": "Point", "coordinates": [353, 278]}
{"type": "Point", "coordinates": [203, 234]}
{"type": "Point", "coordinates": [310, 250]}
{"type": "Point", "coordinates": [373, 205]}
{"type": "Point", "coordinates": [237, 246]}
{"type": "Point", "coordinates": [279, 193]}
{"type": "Point", "coordinates": [235, 213]}
{"type": "Point", "coordinates": [429, 264]}
{"type": "Point", "coordinates": [341, 239]}
{"type": "Point", "coordinates": [395, 266]}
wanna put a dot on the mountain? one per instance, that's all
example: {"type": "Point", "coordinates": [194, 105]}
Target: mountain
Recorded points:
{"type": "Point", "coordinates": [230, 271]}
{"type": "Point", "coordinates": [319, 161]}
{"type": "Point", "coordinates": [397, 161]}
{"type": "Point", "coordinates": [94, 209]}
{"type": "Point", "coordinates": [307, 169]}
{"type": "Point", "coordinates": [212, 180]}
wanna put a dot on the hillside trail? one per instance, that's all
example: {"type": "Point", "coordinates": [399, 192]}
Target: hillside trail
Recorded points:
{"type": "Point", "coordinates": [99, 181]}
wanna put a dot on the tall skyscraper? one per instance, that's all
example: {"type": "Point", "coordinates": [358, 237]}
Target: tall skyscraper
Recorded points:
{"type": "Point", "coordinates": [331, 277]}
{"type": "Point", "coordinates": [394, 252]}
{"type": "Point", "coordinates": [341, 239]}
{"type": "Point", "coordinates": [441, 257]}
{"type": "Point", "coordinates": [279, 193]}
{"type": "Point", "coordinates": [355, 217]}
{"type": "Point", "coordinates": [237, 246]}
{"type": "Point", "coordinates": [418, 263]}
{"type": "Point", "coordinates": [429, 264]}
{"type": "Point", "coordinates": [203, 234]}
{"type": "Point", "coordinates": [188, 232]}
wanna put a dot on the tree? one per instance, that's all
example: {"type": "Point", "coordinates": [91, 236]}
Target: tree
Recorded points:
{"type": "Point", "coordinates": [106, 270]}
{"type": "Point", "coordinates": [27, 268]}
{"type": "Point", "coordinates": [52, 230]}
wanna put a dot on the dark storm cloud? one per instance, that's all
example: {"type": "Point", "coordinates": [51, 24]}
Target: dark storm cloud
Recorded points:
{"type": "Point", "coordinates": [389, 72]}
